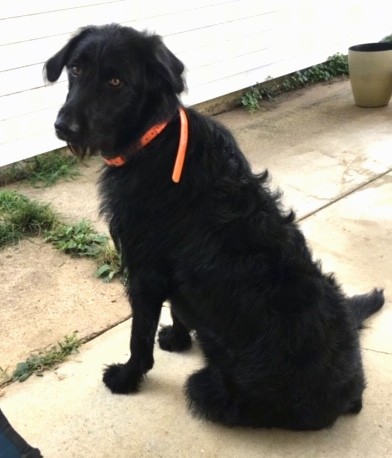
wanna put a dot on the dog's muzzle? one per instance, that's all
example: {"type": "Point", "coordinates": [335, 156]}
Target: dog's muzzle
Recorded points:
{"type": "Point", "coordinates": [66, 130]}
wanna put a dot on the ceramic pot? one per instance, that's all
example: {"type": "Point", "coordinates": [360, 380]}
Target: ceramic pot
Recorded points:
{"type": "Point", "coordinates": [370, 69]}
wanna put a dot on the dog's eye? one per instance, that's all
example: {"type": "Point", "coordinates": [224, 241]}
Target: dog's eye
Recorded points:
{"type": "Point", "coordinates": [115, 82]}
{"type": "Point", "coordinates": [76, 70]}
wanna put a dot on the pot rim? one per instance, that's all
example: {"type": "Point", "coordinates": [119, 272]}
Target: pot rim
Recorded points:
{"type": "Point", "coordinates": [372, 47]}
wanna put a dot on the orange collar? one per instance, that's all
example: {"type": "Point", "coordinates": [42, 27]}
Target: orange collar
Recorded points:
{"type": "Point", "coordinates": [118, 161]}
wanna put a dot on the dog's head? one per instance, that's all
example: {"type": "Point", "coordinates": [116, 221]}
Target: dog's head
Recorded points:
{"type": "Point", "coordinates": [121, 81]}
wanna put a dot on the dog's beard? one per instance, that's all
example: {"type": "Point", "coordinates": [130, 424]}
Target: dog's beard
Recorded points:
{"type": "Point", "coordinates": [95, 144]}
{"type": "Point", "coordinates": [80, 151]}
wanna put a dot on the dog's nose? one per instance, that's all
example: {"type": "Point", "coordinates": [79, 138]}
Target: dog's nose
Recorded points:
{"type": "Point", "coordinates": [66, 130]}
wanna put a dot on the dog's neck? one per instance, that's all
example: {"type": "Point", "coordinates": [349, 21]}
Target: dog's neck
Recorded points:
{"type": "Point", "coordinates": [154, 131]}
{"type": "Point", "coordinates": [148, 136]}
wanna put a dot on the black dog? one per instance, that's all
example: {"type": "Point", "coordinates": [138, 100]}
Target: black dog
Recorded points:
{"type": "Point", "coordinates": [280, 339]}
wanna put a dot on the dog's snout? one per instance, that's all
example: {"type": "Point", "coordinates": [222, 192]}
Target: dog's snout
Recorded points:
{"type": "Point", "coordinates": [66, 129]}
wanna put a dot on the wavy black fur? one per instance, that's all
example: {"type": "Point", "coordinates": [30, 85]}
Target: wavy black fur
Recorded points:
{"type": "Point", "coordinates": [280, 338]}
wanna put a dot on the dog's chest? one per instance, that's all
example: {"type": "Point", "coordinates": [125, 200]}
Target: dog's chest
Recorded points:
{"type": "Point", "coordinates": [145, 217]}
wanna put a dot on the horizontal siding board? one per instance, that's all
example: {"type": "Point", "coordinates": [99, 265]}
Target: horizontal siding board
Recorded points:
{"type": "Point", "coordinates": [218, 33]}
{"type": "Point", "coordinates": [21, 79]}
{"type": "Point", "coordinates": [32, 123]}
{"type": "Point", "coordinates": [66, 21]}
{"type": "Point", "coordinates": [16, 105]}
{"type": "Point", "coordinates": [150, 7]}
{"type": "Point", "coordinates": [223, 69]}
{"type": "Point", "coordinates": [28, 7]}
{"type": "Point", "coordinates": [18, 150]}
{"type": "Point", "coordinates": [226, 50]}
{"type": "Point", "coordinates": [241, 80]}
{"type": "Point", "coordinates": [25, 53]}
{"type": "Point", "coordinates": [201, 18]}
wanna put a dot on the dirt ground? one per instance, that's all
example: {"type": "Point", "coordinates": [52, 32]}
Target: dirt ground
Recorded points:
{"type": "Point", "coordinates": [46, 294]}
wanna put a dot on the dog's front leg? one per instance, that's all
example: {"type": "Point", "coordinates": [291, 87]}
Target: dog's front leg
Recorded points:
{"type": "Point", "coordinates": [175, 337]}
{"type": "Point", "coordinates": [146, 299]}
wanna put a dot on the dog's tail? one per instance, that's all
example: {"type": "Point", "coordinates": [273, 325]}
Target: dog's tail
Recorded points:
{"type": "Point", "coordinates": [364, 305]}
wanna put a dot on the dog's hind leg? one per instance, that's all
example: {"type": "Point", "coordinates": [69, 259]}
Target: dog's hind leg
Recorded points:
{"type": "Point", "coordinates": [209, 397]}
{"type": "Point", "coordinates": [214, 397]}
{"type": "Point", "coordinates": [175, 337]}
{"type": "Point", "coordinates": [146, 298]}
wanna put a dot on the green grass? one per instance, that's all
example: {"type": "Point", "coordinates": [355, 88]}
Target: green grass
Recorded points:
{"type": "Point", "coordinates": [50, 168]}
{"type": "Point", "coordinates": [42, 361]}
{"type": "Point", "coordinates": [43, 170]}
{"type": "Point", "coordinates": [20, 217]}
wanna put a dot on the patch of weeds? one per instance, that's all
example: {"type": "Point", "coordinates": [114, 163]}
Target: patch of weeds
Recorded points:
{"type": "Point", "coordinates": [20, 216]}
{"type": "Point", "coordinates": [77, 240]}
{"type": "Point", "coordinates": [109, 263]}
{"type": "Point", "coordinates": [336, 65]}
{"type": "Point", "coordinates": [44, 360]}
{"type": "Point", "coordinates": [49, 168]}
{"type": "Point", "coordinates": [80, 240]}
{"type": "Point", "coordinates": [8, 234]}
{"type": "Point", "coordinates": [251, 99]}
{"type": "Point", "coordinates": [43, 170]}
{"type": "Point", "coordinates": [387, 39]}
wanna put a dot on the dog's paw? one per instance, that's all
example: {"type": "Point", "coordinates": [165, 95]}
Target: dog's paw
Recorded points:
{"type": "Point", "coordinates": [355, 407]}
{"type": "Point", "coordinates": [170, 340]}
{"type": "Point", "coordinates": [122, 379]}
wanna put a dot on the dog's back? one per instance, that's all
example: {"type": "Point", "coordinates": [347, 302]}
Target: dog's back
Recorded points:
{"type": "Point", "coordinates": [279, 337]}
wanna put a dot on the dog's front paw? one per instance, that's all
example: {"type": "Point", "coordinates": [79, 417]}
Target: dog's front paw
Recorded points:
{"type": "Point", "coordinates": [122, 379]}
{"type": "Point", "coordinates": [170, 340]}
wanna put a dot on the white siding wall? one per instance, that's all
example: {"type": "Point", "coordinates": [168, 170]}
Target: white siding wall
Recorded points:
{"type": "Point", "coordinates": [226, 45]}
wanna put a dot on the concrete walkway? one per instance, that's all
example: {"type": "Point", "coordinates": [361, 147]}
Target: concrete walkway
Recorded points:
{"type": "Point", "coordinates": [333, 161]}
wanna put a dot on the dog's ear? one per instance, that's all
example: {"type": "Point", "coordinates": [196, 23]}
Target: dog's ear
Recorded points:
{"type": "Point", "coordinates": [54, 66]}
{"type": "Point", "coordinates": [167, 65]}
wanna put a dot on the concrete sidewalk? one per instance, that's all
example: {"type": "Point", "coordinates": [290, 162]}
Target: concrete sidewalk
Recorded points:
{"type": "Point", "coordinates": [333, 161]}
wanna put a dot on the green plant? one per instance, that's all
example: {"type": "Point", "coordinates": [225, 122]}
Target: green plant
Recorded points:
{"type": "Point", "coordinates": [49, 168]}
{"type": "Point", "coordinates": [388, 38]}
{"type": "Point", "coordinates": [43, 170]}
{"type": "Point", "coordinates": [251, 99]}
{"type": "Point", "coordinates": [109, 263]}
{"type": "Point", "coordinates": [20, 216]}
{"type": "Point", "coordinates": [336, 65]}
{"type": "Point", "coordinates": [44, 360]}
{"type": "Point", "coordinates": [77, 240]}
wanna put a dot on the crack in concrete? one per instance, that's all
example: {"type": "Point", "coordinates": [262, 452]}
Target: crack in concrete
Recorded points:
{"type": "Point", "coordinates": [378, 351]}
{"type": "Point", "coordinates": [346, 194]}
